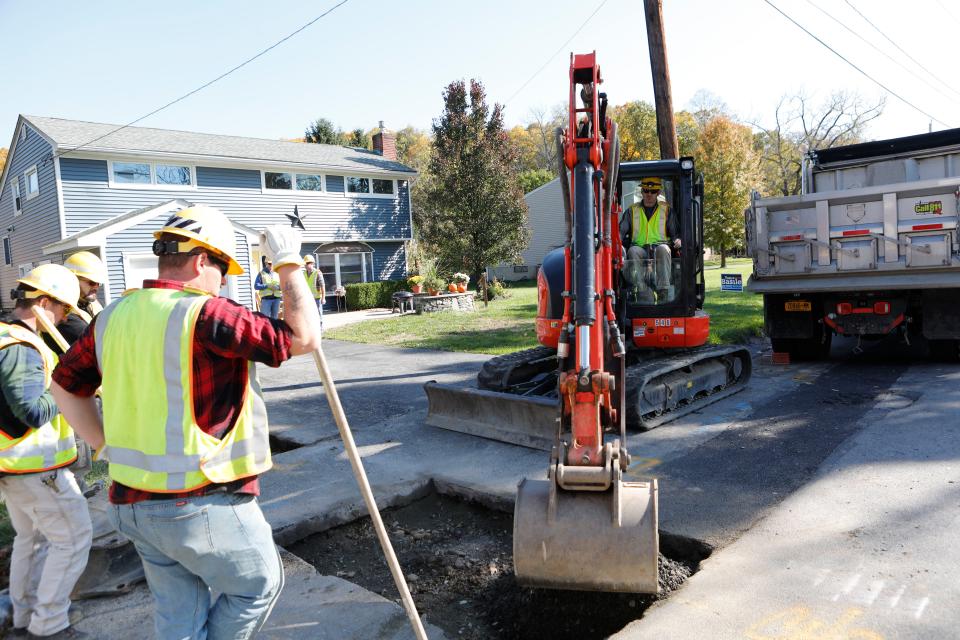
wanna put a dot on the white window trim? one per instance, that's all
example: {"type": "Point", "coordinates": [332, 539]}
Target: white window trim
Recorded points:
{"type": "Point", "coordinates": [5, 242]}
{"type": "Point", "coordinates": [16, 195]}
{"type": "Point", "coordinates": [23, 133]}
{"type": "Point", "coordinates": [26, 184]}
{"type": "Point", "coordinates": [293, 185]}
{"type": "Point", "coordinates": [153, 176]}
{"type": "Point", "coordinates": [370, 194]}
{"type": "Point", "coordinates": [24, 269]}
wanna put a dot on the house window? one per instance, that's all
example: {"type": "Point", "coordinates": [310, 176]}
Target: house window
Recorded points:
{"type": "Point", "coordinates": [23, 133]}
{"type": "Point", "coordinates": [154, 175]}
{"type": "Point", "coordinates": [307, 182]}
{"type": "Point", "coordinates": [171, 174]}
{"type": "Point", "coordinates": [358, 185]}
{"type": "Point", "coordinates": [383, 187]}
{"type": "Point", "coordinates": [15, 193]}
{"type": "Point", "coordinates": [32, 180]}
{"type": "Point", "coordinates": [288, 181]}
{"type": "Point", "coordinates": [277, 180]}
{"type": "Point", "coordinates": [7, 251]}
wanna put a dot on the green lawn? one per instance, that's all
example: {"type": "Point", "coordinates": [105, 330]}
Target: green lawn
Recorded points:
{"type": "Point", "coordinates": [508, 324]}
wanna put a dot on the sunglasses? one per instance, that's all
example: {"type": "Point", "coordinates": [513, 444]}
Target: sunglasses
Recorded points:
{"type": "Point", "coordinates": [650, 190]}
{"type": "Point", "coordinates": [221, 265]}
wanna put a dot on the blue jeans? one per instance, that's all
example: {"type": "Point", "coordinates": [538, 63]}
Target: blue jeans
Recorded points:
{"type": "Point", "coordinates": [219, 542]}
{"type": "Point", "coordinates": [270, 307]}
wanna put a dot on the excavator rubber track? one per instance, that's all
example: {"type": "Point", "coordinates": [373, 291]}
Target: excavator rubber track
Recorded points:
{"type": "Point", "coordinates": [522, 408]}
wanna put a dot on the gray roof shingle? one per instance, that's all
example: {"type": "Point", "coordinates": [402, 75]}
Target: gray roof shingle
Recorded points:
{"type": "Point", "coordinates": [68, 134]}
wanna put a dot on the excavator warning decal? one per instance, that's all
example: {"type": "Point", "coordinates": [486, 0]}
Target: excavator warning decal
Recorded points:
{"type": "Point", "coordinates": [934, 207]}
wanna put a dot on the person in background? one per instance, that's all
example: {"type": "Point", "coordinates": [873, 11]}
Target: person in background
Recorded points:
{"type": "Point", "coordinates": [184, 426]}
{"type": "Point", "coordinates": [315, 281]}
{"type": "Point", "coordinates": [46, 507]}
{"type": "Point", "coordinates": [268, 284]}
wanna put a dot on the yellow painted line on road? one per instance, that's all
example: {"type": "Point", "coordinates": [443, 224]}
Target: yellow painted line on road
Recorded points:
{"type": "Point", "coordinates": [800, 623]}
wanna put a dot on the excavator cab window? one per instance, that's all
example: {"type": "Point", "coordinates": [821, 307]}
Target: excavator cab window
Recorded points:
{"type": "Point", "coordinates": [650, 231]}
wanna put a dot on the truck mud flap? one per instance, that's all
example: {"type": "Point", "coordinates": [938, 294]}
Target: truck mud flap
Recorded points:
{"type": "Point", "coordinates": [528, 421]}
{"type": "Point", "coordinates": [666, 389]}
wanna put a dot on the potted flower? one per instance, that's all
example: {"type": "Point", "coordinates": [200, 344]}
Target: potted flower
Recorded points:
{"type": "Point", "coordinates": [433, 285]}
{"type": "Point", "coordinates": [416, 283]}
{"type": "Point", "coordinates": [461, 279]}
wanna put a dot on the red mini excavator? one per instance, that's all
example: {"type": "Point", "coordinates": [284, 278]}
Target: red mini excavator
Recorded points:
{"type": "Point", "coordinates": [623, 332]}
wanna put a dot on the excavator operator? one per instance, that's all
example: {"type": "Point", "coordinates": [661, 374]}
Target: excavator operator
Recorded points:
{"type": "Point", "coordinates": [650, 231]}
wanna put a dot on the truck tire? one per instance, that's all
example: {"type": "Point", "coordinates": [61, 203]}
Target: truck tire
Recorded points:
{"type": "Point", "coordinates": [944, 350]}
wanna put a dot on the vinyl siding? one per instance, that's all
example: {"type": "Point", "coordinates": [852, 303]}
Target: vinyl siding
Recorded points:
{"type": "Point", "coordinates": [332, 215]}
{"type": "Point", "coordinates": [138, 239]}
{"type": "Point", "coordinates": [389, 260]}
{"type": "Point", "coordinates": [39, 224]}
{"type": "Point", "coordinates": [547, 230]}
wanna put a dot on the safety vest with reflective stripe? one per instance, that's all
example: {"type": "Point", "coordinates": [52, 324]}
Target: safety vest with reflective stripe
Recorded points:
{"type": "Point", "coordinates": [312, 282]}
{"type": "Point", "coordinates": [49, 446]}
{"type": "Point", "coordinates": [144, 344]}
{"type": "Point", "coordinates": [272, 281]}
{"type": "Point", "coordinates": [649, 231]}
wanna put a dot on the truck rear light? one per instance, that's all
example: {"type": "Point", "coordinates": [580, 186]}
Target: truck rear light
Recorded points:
{"type": "Point", "coordinates": [844, 308]}
{"type": "Point", "coordinates": [881, 308]}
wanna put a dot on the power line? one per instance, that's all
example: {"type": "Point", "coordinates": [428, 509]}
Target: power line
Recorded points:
{"type": "Point", "coordinates": [947, 11]}
{"type": "Point", "coordinates": [901, 49]}
{"type": "Point", "coordinates": [882, 52]}
{"type": "Point", "coordinates": [862, 72]}
{"type": "Point", "coordinates": [207, 84]}
{"type": "Point", "coordinates": [554, 55]}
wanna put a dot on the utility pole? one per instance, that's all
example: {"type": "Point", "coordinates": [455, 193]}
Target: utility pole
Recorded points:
{"type": "Point", "coordinates": [663, 98]}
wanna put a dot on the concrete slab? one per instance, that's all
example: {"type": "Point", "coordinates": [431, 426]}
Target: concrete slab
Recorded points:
{"type": "Point", "coordinates": [310, 606]}
{"type": "Point", "coordinates": [866, 550]}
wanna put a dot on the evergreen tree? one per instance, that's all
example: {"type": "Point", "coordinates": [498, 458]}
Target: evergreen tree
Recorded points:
{"type": "Point", "coordinates": [322, 131]}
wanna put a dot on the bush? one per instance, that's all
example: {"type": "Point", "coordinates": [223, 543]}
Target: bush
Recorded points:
{"type": "Point", "coordinates": [497, 289]}
{"type": "Point", "coordinates": [369, 295]}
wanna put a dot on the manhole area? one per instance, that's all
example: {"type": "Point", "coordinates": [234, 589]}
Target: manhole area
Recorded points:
{"type": "Point", "coordinates": [457, 557]}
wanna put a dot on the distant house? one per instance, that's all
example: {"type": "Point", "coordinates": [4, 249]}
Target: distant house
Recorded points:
{"type": "Point", "coordinates": [71, 185]}
{"type": "Point", "coordinates": [547, 232]}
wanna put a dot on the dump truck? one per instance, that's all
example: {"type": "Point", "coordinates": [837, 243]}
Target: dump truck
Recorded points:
{"type": "Point", "coordinates": [869, 248]}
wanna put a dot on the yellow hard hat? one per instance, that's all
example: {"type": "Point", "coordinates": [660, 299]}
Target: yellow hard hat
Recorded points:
{"type": "Point", "coordinates": [205, 227]}
{"type": "Point", "coordinates": [309, 258]}
{"type": "Point", "coordinates": [651, 183]}
{"type": "Point", "coordinates": [52, 280]}
{"type": "Point", "coordinates": [86, 265]}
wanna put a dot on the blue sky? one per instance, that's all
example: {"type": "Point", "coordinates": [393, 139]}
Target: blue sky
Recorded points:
{"type": "Point", "coordinates": [371, 60]}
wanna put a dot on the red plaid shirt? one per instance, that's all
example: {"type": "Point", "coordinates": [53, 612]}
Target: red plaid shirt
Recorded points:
{"type": "Point", "coordinates": [226, 335]}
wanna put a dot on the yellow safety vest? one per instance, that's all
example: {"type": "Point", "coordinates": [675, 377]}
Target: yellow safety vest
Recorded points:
{"type": "Point", "coordinates": [49, 446]}
{"type": "Point", "coordinates": [269, 279]}
{"type": "Point", "coordinates": [312, 281]}
{"type": "Point", "coordinates": [144, 345]}
{"type": "Point", "coordinates": [649, 231]}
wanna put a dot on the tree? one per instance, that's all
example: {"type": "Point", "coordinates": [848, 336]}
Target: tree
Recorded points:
{"type": "Point", "coordinates": [474, 214]}
{"type": "Point", "coordinates": [3, 158]}
{"type": "Point", "coordinates": [637, 127]}
{"type": "Point", "coordinates": [413, 148]}
{"type": "Point", "coordinates": [729, 166]}
{"type": "Point", "coordinates": [322, 131]}
{"type": "Point", "coordinates": [356, 138]}
{"type": "Point", "coordinates": [527, 149]}
{"type": "Point", "coordinates": [533, 178]}
{"type": "Point", "coordinates": [543, 133]}
{"type": "Point", "coordinates": [801, 127]}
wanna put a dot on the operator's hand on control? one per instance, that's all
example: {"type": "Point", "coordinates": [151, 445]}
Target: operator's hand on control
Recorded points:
{"type": "Point", "coordinates": [676, 243]}
{"type": "Point", "coordinates": [281, 245]}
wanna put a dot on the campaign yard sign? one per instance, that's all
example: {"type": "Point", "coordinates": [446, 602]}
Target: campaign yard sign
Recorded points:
{"type": "Point", "coordinates": [731, 282]}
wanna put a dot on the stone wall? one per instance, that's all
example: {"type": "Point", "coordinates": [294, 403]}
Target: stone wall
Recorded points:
{"type": "Point", "coordinates": [443, 302]}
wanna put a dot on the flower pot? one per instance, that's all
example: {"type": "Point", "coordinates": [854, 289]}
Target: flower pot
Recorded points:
{"type": "Point", "coordinates": [462, 287]}
{"type": "Point", "coordinates": [452, 288]}
{"type": "Point", "coordinates": [416, 288]}
{"type": "Point", "coordinates": [434, 292]}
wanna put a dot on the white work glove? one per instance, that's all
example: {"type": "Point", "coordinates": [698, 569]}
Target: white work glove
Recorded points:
{"type": "Point", "coordinates": [281, 245]}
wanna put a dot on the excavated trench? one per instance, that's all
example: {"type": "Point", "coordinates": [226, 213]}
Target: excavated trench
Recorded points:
{"type": "Point", "coordinates": [457, 557]}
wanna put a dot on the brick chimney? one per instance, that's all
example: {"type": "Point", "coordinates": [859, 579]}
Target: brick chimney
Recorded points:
{"type": "Point", "coordinates": [385, 143]}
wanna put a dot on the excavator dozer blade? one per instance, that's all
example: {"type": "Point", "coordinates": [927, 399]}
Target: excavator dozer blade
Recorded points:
{"type": "Point", "coordinates": [528, 421]}
{"type": "Point", "coordinates": [585, 540]}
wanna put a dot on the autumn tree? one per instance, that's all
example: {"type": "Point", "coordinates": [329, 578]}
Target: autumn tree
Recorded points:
{"type": "Point", "coordinates": [3, 158]}
{"type": "Point", "coordinates": [543, 132]}
{"type": "Point", "coordinates": [473, 214]}
{"type": "Point", "coordinates": [801, 126]}
{"type": "Point", "coordinates": [322, 131]}
{"type": "Point", "coordinates": [534, 178]}
{"type": "Point", "coordinates": [413, 148]}
{"type": "Point", "coordinates": [729, 165]}
{"type": "Point", "coordinates": [357, 138]}
{"type": "Point", "coordinates": [637, 127]}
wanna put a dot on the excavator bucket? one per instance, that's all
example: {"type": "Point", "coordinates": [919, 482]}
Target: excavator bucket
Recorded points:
{"type": "Point", "coordinates": [528, 421]}
{"type": "Point", "coordinates": [586, 540]}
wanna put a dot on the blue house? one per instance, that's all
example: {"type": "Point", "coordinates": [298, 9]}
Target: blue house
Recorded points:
{"type": "Point", "coordinates": [70, 186]}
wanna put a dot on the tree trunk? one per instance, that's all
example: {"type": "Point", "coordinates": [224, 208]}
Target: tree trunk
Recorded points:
{"type": "Point", "coordinates": [723, 256]}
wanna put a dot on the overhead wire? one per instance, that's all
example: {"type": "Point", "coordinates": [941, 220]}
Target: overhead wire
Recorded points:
{"type": "Point", "coordinates": [861, 71]}
{"type": "Point", "coordinates": [947, 11]}
{"type": "Point", "coordinates": [882, 52]}
{"type": "Point", "coordinates": [554, 54]}
{"type": "Point", "coordinates": [206, 84]}
{"type": "Point", "coordinates": [901, 49]}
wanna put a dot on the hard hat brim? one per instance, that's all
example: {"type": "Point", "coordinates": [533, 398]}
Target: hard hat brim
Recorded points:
{"type": "Point", "coordinates": [192, 240]}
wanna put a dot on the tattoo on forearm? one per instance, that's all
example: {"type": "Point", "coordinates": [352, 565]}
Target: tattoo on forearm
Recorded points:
{"type": "Point", "coordinates": [292, 300]}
